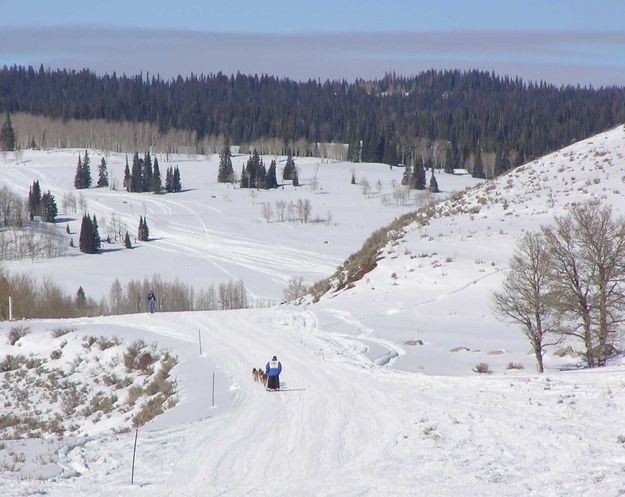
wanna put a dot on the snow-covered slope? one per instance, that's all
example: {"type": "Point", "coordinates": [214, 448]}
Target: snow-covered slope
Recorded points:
{"type": "Point", "coordinates": [210, 232]}
{"type": "Point", "coordinates": [342, 426]}
{"type": "Point", "coordinates": [434, 284]}
{"type": "Point", "coordinates": [347, 425]}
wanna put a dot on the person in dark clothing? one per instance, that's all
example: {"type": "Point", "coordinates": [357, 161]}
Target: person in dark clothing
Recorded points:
{"type": "Point", "coordinates": [273, 370]}
{"type": "Point", "coordinates": [151, 302]}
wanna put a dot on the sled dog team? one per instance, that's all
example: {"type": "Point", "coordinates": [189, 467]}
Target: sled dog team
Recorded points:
{"type": "Point", "coordinates": [270, 376]}
{"type": "Point", "coordinates": [258, 375]}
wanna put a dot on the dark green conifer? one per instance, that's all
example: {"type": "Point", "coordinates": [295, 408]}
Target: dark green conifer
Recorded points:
{"type": "Point", "coordinates": [245, 182]}
{"type": "Point", "coordinates": [34, 200]}
{"type": "Point", "coordinates": [226, 172]}
{"type": "Point", "coordinates": [433, 184]}
{"type": "Point", "coordinates": [135, 174]}
{"type": "Point", "coordinates": [175, 182]}
{"type": "Point", "coordinates": [418, 176]}
{"type": "Point", "coordinates": [270, 179]}
{"type": "Point", "coordinates": [49, 209]}
{"type": "Point", "coordinates": [169, 180]}
{"type": "Point", "coordinates": [289, 167]}
{"type": "Point", "coordinates": [103, 175]}
{"type": "Point", "coordinates": [156, 185]}
{"type": "Point", "coordinates": [7, 135]}
{"type": "Point", "coordinates": [478, 166]}
{"type": "Point", "coordinates": [127, 176]}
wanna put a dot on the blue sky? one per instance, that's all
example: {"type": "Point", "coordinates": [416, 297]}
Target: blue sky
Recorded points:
{"type": "Point", "coordinates": [570, 41]}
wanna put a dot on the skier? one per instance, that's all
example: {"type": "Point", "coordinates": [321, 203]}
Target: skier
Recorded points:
{"type": "Point", "coordinates": [273, 370]}
{"type": "Point", "coordinates": [151, 302]}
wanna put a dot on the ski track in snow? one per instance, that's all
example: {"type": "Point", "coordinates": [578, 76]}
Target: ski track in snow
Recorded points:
{"type": "Point", "coordinates": [345, 427]}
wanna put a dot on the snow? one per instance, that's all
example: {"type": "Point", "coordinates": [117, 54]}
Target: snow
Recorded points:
{"type": "Point", "coordinates": [380, 397]}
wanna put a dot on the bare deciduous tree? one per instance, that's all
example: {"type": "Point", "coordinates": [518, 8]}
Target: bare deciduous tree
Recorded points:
{"type": "Point", "coordinates": [582, 294]}
{"type": "Point", "coordinates": [296, 289]}
{"type": "Point", "coordinates": [280, 209]}
{"type": "Point", "coordinates": [267, 211]}
{"type": "Point", "coordinates": [597, 241]}
{"type": "Point", "coordinates": [524, 298]}
{"type": "Point", "coordinates": [364, 186]}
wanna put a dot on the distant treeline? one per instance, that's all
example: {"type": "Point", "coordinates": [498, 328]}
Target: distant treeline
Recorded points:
{"type": "Point", "coordinates": [32, 298]}
{"type": "Point", "coordinates": [450, 117]}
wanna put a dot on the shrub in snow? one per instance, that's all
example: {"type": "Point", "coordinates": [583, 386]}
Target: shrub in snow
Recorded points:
{"type": "Point", "coordinates": [59, 332]}
{"type": "Point", "coordinates": [482, 368]}
{"type": "Point", "coordinates": [135, 359]}
{"type": "Point", "coordinates": [134, 393]}
{"type": "Point", "coordinates": [150, 410]}
{"type": "Point", "coordinates": [16, 333]}
{"type": "Point", "coordinates": [514, 365]}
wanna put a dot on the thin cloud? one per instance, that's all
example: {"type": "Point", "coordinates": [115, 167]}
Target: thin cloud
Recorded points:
{"type": "Point", "coordinates": [558, 57]}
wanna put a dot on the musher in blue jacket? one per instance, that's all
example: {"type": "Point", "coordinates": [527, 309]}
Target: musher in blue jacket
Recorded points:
{"type": "Point", "coordinates": [273, 370]}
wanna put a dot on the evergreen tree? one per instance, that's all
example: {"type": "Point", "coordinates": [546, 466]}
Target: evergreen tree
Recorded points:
{"type": "Point", "coordinates": [295, 178]}
{"type": "Point", "coordinates": [156, 185]}
{"type": "Point", "coordinates": [127, 176]}
{"type": "Point", "coordinates": [253, 170]}
{"type": "Point", "coordinates": [143, 233]}
{"type": "Point", "coordinates": [82, 178]}
{"type": "Point", "coordinates": [390, 153]}
{"type": "Point", "coordinates": [146, 173]}
{"type": "Point", "coordinates": [270, 179]}
{"type": "Point", "coordinates": [353, 151]}
{"type": "Point", "coordinates": [34, 200]}
{"type": "Point", "coordinates": [527, 119]}
{"type": "Point", "coordinates": [245, 181]}
{"type": "Point", "coordinates": [433, 184]}
{"type": "Point", "coordinates": [169, 180]}
{"type": "Point", "coordinates": [127, 242]}
{"type": "Point", "coordinates": [176, 185]}
{"type": "Point", "coordinates": [289, 167]}
{"type": "Point", "coordinates": [97, 242]}
{"type": "Point", "coordinates": [418, 176]}
{"type": "Point", "coordinates": [86, 242]}
{"type": "Point", "coordinates": [86, 171]}
{"type": "Point", "coordinates": [103, 175]}
{"type": "Point", "coordinates": [226, 172]}
{"type": "Point", "coordinates": [135, 174]}
{"type": "Point", "coordinates": [478, 167]}
{"type": "Point", "coordinates": [353, 178]}
{"type": "Point", "coordinates": [78, 181]}
{"type": "Point", "coordinates": [7, 135]}
{"type": "Point", "coordinates": [449, 160]}
{"type": "Point", "coordinates": [49, 209]}
{"type": "Point", "coordinates": [261, 175]}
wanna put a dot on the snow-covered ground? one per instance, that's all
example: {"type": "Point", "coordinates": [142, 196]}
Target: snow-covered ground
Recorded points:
{"type": "Point", "coordinates": [211, 232]}
{"type": "Point", "coordinates": [379, 398]}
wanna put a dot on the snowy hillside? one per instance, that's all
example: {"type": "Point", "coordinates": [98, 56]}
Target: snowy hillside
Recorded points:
{"type": "Point", "coordinates": [211, 232]}
{"type": "Point", "coordinates": [433, 285]}
{"type": "Point", "coordinates": [357, 417]}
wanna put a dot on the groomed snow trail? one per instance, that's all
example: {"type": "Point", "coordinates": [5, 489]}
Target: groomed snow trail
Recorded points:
{"type": "Point", "coordinates": [344, 427]}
